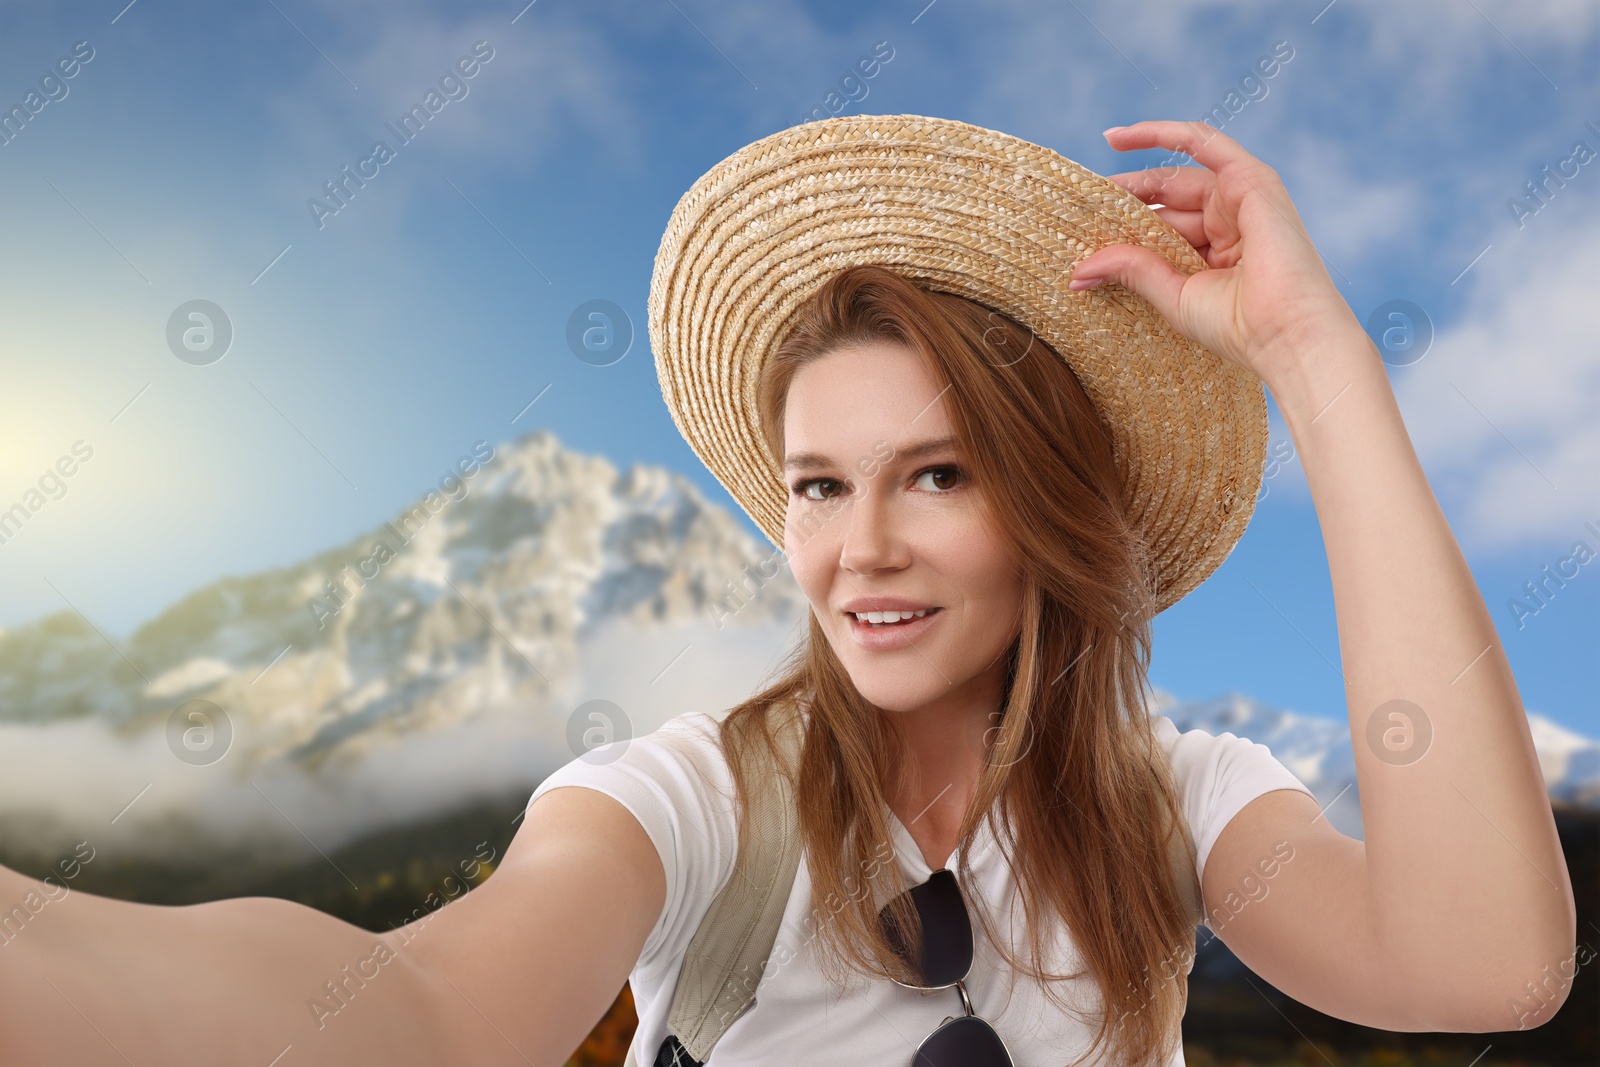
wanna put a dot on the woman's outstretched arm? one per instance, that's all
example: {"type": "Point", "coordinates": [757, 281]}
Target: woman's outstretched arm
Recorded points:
{"type": "Point", "coordinates": [515, 971]}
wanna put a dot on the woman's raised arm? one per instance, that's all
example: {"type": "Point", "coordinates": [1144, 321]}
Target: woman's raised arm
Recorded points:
{"type": "Point", "coordinates": [516, 971]}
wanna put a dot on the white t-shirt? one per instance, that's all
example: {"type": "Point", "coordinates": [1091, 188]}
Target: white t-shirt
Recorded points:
{"type": "Point", "coordinates": [678, 785]}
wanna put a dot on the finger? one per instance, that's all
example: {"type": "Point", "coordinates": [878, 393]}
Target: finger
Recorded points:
{"type": "Point", "coordinates": [1206, 145]}
{"type": "Point", "coordinates": [1179, 187]}
{"type": "Point", "coordinates": [1189, 224]}
{"type": "Point", "coordinates": [1140, 270]}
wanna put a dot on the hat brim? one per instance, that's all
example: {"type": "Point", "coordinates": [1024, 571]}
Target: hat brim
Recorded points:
{"type": "Point", "coordinates": [984, 215]}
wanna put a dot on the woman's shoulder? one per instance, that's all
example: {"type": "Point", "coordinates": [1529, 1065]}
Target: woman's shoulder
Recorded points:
{"type": "Point", "coordinates": [676, 782]}
{"type": "Point", "coordinates": [1216, 775]}
{"type": "Point", "coordinates": [1197, 753]}
{"type": "Point", "coordinates": [681, 762]}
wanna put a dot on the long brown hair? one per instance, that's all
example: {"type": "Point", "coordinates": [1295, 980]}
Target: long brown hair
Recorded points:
{"type": "Point", "coordinates": [1079, 795]}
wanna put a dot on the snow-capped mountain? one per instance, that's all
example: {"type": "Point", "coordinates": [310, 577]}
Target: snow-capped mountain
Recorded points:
{"type": "Point", "coordinates": [443, 650]}
{"type": "Point", "coordinates": [450, 651]}
{"type": "Point", "coordinates": [453, 605]}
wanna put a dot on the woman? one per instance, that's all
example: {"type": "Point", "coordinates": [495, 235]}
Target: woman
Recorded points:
{"type": "Point", "coordinates": [938, 455]}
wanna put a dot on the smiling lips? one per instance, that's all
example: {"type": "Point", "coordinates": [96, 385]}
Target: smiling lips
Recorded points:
{"type": "Point", "coordinates": [889, 618]}
{"type": "Point", "coordinates": [864, 605]}
{"type": "Point", "coordinates": [887, 630]}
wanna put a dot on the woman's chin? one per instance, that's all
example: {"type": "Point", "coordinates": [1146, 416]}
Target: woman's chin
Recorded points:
{"type": "Point", "coordinates": [899, 691]}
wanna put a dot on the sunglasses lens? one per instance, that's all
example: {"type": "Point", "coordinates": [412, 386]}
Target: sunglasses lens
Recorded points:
{"type": "Point", "coordinates": [946, 954]}
{"type": "Point", "coordinates": [965, 1041]}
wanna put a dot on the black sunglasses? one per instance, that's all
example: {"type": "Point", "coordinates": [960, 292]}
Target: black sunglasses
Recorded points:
{"type": "Point", "coordinates": [944, 959]}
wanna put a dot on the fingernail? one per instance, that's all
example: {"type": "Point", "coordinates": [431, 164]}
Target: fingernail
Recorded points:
{"type": "Point", "coordinates": [1112, 130]}
{"type": "Point", "coordinates": [1084, 283]}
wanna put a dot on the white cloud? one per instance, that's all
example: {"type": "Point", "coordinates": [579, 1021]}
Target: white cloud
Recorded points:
{"type": "Point", "coordinates": [540, 79]}
{"type": "Point", "coordinates": [653, 673]}
{"type": "Point", "coordinates": [1506, 403]}
{"type": "Point", "coordinates": [1350, 216]}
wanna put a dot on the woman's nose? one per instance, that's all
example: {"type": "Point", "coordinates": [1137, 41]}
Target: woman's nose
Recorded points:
{"type": "Point", "coordinates": [871, 541]}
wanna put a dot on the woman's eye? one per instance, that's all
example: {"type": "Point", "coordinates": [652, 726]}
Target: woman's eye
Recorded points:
{"type": "Point", "coordinates": [943, 479]}
{"type": "Point", "coordinates": [803, 489]}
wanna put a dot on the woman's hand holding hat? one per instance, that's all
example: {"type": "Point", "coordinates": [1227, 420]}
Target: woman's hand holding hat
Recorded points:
{"type": "Point", "coordinates": [1265, 311]}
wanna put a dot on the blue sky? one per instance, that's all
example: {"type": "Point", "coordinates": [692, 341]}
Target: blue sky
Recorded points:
{"type": "Point", "coordinates": [373, 346]}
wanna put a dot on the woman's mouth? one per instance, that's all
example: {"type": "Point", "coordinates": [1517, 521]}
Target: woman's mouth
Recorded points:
{"type": "Point", "coordinates": [889, 629]}
{"type": "Point", "coordinates": [889, 618]}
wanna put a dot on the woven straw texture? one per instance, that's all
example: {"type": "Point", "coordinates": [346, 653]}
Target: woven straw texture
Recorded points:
{"type": "Point", "coordinates": [984, 215]}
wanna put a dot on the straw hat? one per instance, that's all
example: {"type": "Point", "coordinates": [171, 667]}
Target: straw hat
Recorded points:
{"type": "Point", "coordinates": [966, 210]}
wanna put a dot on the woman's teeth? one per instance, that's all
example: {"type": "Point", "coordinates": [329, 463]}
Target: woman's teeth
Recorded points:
{"type": "Point", "coordinates": [888, 618]}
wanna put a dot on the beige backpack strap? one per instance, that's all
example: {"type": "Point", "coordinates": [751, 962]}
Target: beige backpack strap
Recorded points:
{"type": "Point", "coordinates": [729, 951]}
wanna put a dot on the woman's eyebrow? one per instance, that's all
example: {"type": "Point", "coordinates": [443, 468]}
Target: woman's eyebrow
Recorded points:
{"type": "Point", "coordinates": [805, 461]}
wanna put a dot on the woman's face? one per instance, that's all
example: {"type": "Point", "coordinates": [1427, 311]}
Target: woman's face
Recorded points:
{"type": "Point", "coordinates": [881, 514]}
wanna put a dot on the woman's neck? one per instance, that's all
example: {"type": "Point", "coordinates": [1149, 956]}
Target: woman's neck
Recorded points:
{"type": "Point", "coordinates": [945, 753]}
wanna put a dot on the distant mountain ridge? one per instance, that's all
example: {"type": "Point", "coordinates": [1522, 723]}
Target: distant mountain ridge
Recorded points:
{"type": "Point", "coordinates": [1319, 752]}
